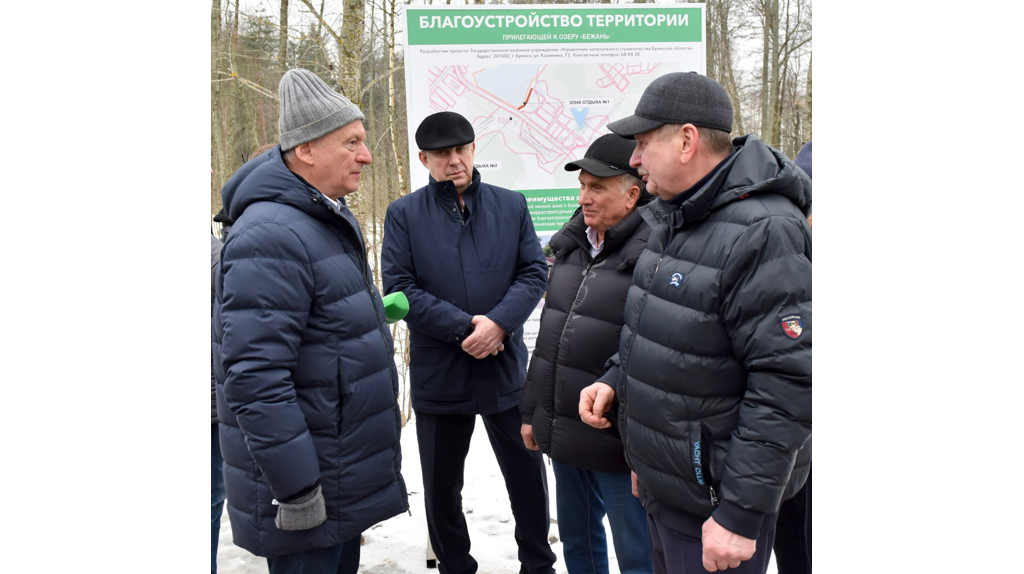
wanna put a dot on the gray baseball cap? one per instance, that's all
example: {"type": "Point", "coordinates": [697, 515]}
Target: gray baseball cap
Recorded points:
{"type": "Point", "coordinates": [678, 98]}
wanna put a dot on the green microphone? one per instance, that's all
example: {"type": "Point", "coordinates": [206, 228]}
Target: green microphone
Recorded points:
{"type": "Point", "coordinates": [396, 306]}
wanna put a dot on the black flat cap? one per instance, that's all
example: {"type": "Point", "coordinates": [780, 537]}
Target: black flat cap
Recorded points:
{"type": "Point", "coordinates": [443, 130]}
{"type": "Point", "coordinates": [678, 98]}
{"type": "Point", "coordinates": [608, 156]}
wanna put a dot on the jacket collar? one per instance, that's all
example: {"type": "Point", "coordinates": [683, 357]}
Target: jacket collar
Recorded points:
{"type": "Point", "coordinates": [267, 178]}
{"type": "Point", "coordinates": [445, 190]}
{"type": "Point", "coordinates": [753, 168]}
{"type": "Point", "coordinates": [574, 232]}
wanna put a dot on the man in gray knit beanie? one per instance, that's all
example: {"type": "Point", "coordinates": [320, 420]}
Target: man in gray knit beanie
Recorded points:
{"type": "Point", "coordinates": [321, 134]}
{"type": "Point", "coordinates": [304, 367]}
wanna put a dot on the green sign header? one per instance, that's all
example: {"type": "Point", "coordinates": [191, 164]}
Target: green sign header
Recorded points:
{"type": "Point", "coordinates": [433, 27]}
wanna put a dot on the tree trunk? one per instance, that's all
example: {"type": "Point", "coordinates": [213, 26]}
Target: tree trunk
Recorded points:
{"type": "Point", "coordinates": [350, 48]}
{"type": "Point", "coordinates": [722, 59]}
{"type": "Point", "coordinates": [779, 93]}
{"type": "Point", "coordinates": [807, 110]}
{"type": "Point", "coordinates": [778, 77]}
{"type": "Point", "coordinates": [730, 85]}
{"type": "Point", "coordinates": [282, 44]}
{"type": "Point", "coordinates": [399, 168]}
{"type": "Point", "coordinates": [766, 68]}
{"type": "Point", "coordinates": [714, 42]}
{"type": "Point", "coordinates": [217, 160]}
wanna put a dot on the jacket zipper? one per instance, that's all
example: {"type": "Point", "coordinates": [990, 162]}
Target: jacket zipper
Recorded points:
{"type": "Point", "coordinates": [455, 204]}
{"type": "Point", "coordinates": [706, 462]}
{"type": "Point", "coordinates": [558, 348]}
{"type": "Point", "coordinates": [625, 365]}
{"type": "Point", "coordinates": [380, 327]}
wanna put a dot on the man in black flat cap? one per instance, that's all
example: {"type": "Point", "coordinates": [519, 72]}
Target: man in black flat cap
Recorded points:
{"type": "Point", "coordinates": [713, 374]}
{"type": "Point", "coordinates": [466, 255]}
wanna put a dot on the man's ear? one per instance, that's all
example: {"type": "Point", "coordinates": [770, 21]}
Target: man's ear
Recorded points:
{"type": "Point", "coordinates": [304, 153]}
{"type": "Point", "coordinates": [632, 195]}
{"type": "Point", "coordinates": [688, 140]}
{"type": "Point", "coordinates": [423, 159]}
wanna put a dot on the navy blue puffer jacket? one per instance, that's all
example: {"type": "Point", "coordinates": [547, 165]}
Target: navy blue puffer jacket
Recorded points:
{"type": "Point", "coordinates": [306, 382]}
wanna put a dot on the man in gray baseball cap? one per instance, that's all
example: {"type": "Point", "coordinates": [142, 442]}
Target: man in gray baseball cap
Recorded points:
{"type": "Point", "coordinates": [306, 382]}
{"type": "Point", "coordinates": [713, 374]}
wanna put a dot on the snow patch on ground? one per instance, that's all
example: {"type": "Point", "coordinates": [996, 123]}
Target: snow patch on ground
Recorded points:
{"type": "Point", "coordinates": [398, 545]}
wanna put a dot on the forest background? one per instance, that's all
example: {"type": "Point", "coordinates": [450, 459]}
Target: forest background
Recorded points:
{"type": "Point", "coordinates": [759, 50]}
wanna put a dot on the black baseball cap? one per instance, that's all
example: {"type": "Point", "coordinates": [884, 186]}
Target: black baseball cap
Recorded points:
{"type": "Point", "coordinates": [608, 156]}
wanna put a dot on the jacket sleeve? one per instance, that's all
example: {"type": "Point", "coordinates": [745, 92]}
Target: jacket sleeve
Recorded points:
{"type": "Point", "coordinates": [528, 400]}
{"type": "Point", "coordinates": [427, 314]}
{"type": "Point", "coordinates": [531, 278]}
{"type": "Point", "coordinates": [215, 246]}
{"type": "Point", "coordinates": [766, 280]}
{"type": "Point", "coordinates": [267, 294]}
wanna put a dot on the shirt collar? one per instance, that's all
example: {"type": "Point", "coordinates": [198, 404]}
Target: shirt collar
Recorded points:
{"type": "Point", "coordinates": [595, 247]}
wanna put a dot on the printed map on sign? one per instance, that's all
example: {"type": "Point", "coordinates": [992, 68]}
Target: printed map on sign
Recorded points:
{"type": "Point", "coordinates": [540, 84]}
{"type": "Point", "coordinates": [544, 114]}
{"type": "Point", "coordinates": [531, 119]}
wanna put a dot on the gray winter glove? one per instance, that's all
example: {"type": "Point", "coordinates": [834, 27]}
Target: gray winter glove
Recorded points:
{"type": "Point", "coordinates": [302, 513]}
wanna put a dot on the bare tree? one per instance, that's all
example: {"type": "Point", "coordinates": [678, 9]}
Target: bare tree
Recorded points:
{"type": "Point", "coordinates": [720, 56]}
{"type": "Point", "coordinates": [350, 48]}
{"type": "Point", "coordinates": [806, 135]}
{"type": "Point", "coordinates": [282, 46]}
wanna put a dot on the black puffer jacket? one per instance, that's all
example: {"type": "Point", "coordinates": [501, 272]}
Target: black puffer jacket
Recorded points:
{"type": "Point", "coordinates": [579, 330]}
{"type": "Point", "coordinates": [716, 352]}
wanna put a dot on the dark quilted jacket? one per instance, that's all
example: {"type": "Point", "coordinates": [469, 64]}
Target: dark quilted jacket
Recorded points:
{"type": "Point", "coordinates": [715, 386]}
{"type": "Point", "coordinates": [451, 266]}
{"type": "Point", "coordinates": [306, 382]}
{"type": "Point", "coordinates": [579, 331]}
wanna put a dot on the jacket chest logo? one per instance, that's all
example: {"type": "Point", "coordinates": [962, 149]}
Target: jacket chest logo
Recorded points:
{"type": "Point", "coordinates": [792, 326]}
{"type": "Point", "coordinates": [676, 280]}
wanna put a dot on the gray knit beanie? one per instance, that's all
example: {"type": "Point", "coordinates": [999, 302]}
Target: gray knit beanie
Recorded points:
{"type": "Point", "coordinates": [310, 109]}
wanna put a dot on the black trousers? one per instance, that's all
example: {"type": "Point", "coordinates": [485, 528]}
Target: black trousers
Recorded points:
{"type": "Point", "coordinates": [793, 533]}
{"type": "Point", "coordinates": [444, 443]}
{"type": "Point", "coordinates": [677, 549]}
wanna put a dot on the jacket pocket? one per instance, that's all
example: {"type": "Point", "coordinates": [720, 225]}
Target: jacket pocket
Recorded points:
{"type": "Point", "coordinates": [439, 372]}
{"type": "Point", "coordinates": [702, 454]}
{"type": "Point", "coordinates": [342, 395]}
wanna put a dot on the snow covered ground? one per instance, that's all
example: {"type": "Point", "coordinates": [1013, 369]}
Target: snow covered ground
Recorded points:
{"type": "Point", "coordinates": [398, 545]}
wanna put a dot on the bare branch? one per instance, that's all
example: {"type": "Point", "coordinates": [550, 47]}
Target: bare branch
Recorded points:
{"type": "Point", "coordinates": [245, 82]}
{"type": "Point", "coordinates": [320, 18]}
{"type": "Point", "coordinates": [379, 78]}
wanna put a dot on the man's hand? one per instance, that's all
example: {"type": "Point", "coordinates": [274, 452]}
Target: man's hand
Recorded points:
{"type": "Point", "coordinates": [595, 400]}
{"type": "Point", "coordinates": [633, 477]}
{"type": "Point", "coordinates": [527, 432]}
{"type": "Point", "coordinates": [724, 549]}
{"type": "Point", "coordinates": [486, 339]}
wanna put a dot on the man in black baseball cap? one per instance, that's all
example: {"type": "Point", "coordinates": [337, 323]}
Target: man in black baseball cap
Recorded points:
{"type": "Point", "coordinates": [595, 253]}
{"type": "Point", "coordinates": [605, 168]}
{"type": "Point", "coordinates": [713, 374]}
{"type": "Point", "coordinates": [466, 256]}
